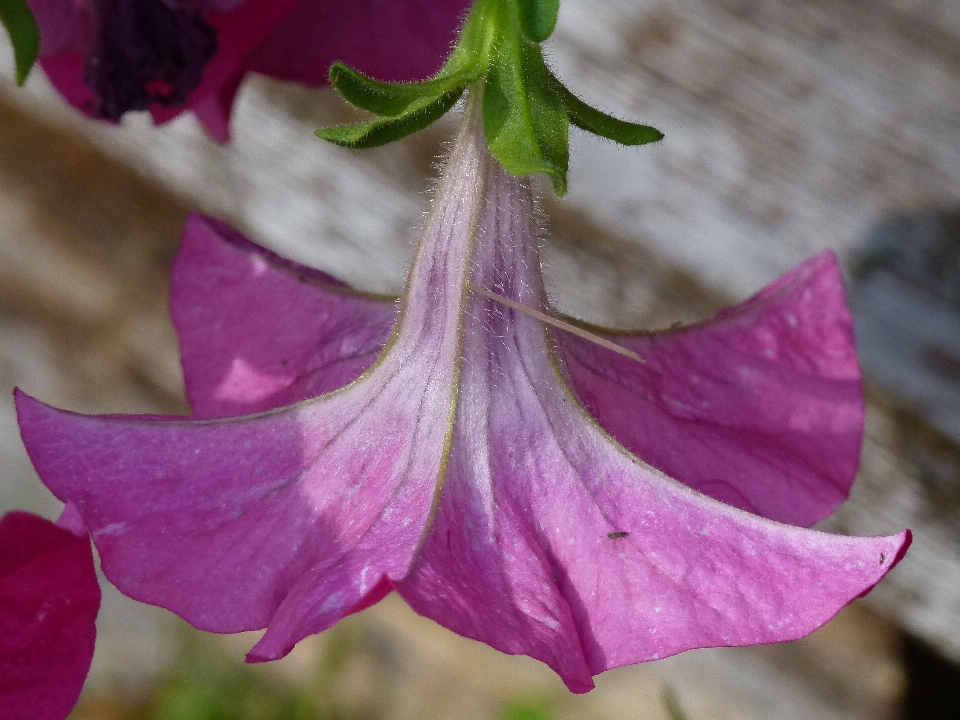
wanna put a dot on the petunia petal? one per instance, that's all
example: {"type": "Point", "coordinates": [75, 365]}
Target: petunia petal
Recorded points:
{"type": "Point", "coordinates": [65, 72]}
{"type": "Point", "coordinates": [386, 39]}
{"type": "Point", "coordinates": [553, 541]}
{"type": "Point", "coordinates": [761, 408]}
{"type": "Point", "coordinates": [64, 25]}
{"type": "Point", "coordinates": [258, 332]}
{"type": "Point", "coordinates": [298, 40]}
{"type": "Point", "coordinates": [287, 39]}
{"type": "Point", "coordinates": [238, 32]}
{"type": "Point", "coordinates": [294, 518]}
{"type": "Point", "coordinates": [49, 597]}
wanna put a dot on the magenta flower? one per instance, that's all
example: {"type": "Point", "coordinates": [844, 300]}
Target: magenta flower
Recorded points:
{"type": "Point", "coordinates": [49, 597]}
{"type": "Point", "coordinates": [459, 465]}
{"type": "Point", "coordinates": [107, 57]}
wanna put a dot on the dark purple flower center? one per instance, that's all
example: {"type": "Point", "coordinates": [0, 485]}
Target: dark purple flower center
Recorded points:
{"type": "Point", "coordinates": [144, 52]}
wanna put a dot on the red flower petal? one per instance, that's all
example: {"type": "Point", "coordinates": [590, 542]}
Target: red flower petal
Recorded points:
{"type": "Point", "coordinates": [49, 597]}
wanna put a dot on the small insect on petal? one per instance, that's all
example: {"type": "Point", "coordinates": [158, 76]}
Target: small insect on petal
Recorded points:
{"type": "Point", "coordinates": [617, 534]}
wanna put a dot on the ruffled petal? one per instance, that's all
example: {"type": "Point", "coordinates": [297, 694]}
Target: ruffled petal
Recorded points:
{"type": "Point", "coordinates": [238, 33]}
{"type": "Point", "coordinates": [390, 40]}
{"type": "Point", "coordinates": [65, 72]}
{"type": "Point", "coordinates": [49, 598]}
{"type": "Point", "coordinates": [761, 408]}
{"type": "Point", "coordinates": [258, 332]}
{"type": "Point", "coordinates": [152, 53]}
{"type": "Point", "coordinates": [146, 53]}
{"type": "Point", "coordinates": [64, 25]}
{"type": "Point", "coordinates": [554, 541]}
{"type": "Point", "coordinates": [123, 55]}
{"type": "Point", "coordinates": [293, 518]}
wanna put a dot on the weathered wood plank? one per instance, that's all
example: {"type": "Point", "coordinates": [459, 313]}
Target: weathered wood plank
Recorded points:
{"type": "Point", "coordinates": [790, 126]}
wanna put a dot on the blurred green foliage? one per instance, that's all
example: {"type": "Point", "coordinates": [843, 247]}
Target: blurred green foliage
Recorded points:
{"type": "Point", "coordinates": [529, 709]}
{"type": "Point", "coordinates": [205, 687]}
{"type": "Point", "coordinates": [208, 682]}
{"type": "Point", "coordinates": [355, 672]}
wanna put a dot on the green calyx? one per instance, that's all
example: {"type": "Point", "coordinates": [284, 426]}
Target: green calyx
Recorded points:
{"type": "Point", "coordinates": [24, 35]}
{"type": "Point", "coordinates": [527, 111]}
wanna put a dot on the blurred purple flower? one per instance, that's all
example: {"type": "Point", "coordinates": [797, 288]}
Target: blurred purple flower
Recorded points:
{"type": "Point", "coordinates": [49, 597]}
{"type": "Point", "coordinates": [444, 449]}
{"type": "Point", "coordinates": [107, 57]}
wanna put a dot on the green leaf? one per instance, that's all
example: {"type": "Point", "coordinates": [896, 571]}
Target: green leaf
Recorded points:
{"type": "Point", "coordinates": [527, 112]}
{"type": "Point", "coordinates": [24, 35]}
{"type": "Point", "coordinates": [538, 18]}
{"type": "Point", "coordinates": [393, 99]}
{"type": "Point", "coordinates": [592, 120]}
{"type": "Point", "coordinates": [383, 130]}
{"type": "Point", "coordinates": [524, 118]}
{"type": "Point", "coordinates": [528, 709]}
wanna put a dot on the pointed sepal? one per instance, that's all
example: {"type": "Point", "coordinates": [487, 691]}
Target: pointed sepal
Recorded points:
{"type": "Point", "coordinates": [527, 112]}
{"type": "Point", "coordinates": [396, 99]}
{"type": "Point", "coordinates": [524, 118]}
{"type": "Point", "coordinates": [382, 130]}
{"type": "Point", "coordinates": [588, 118]}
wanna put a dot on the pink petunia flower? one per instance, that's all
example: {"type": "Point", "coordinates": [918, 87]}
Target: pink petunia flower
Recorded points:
{"type": "Point", "coordinates": [762, 407]}
{"type": "Point", "coordinates": [108, 57]}
{"type": "Point", "coordinates": [444, 449]}
{"type": "Point", "coordinates": [49, 597]}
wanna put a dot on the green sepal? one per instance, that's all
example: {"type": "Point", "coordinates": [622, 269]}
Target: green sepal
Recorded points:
{"type": "Point", "coordinates": [383, 130]}
{"type": "Point", "coordinates": [538, 18]}
{"type": "Point", "coordinates": [477, 40]}
{"type": "Point", "coordinates": [24, 35]}
{"type": "Point", "coordinates": [586, 117]}
{"type": "Point", "coordinates": [467, 64]}
{"type": "Point", "coordinates": [524, 119]}
{"type": "Point", "coordinates": [527, 112]}
{"type": "Point", "coordinates": [394, 99]}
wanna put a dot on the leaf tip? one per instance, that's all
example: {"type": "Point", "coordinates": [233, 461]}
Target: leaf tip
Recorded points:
{"type": "Point", "coordinates": [559, 180]}
{"type": "Point", "coordinates": [21, 26]}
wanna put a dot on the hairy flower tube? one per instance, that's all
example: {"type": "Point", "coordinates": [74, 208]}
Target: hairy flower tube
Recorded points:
{"type": "Point", "coordinates": [108, 57]}
{"type": "Point", "coordinates": [461, 467]}
{"type": "Point", "coordinates": [49, 598]}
